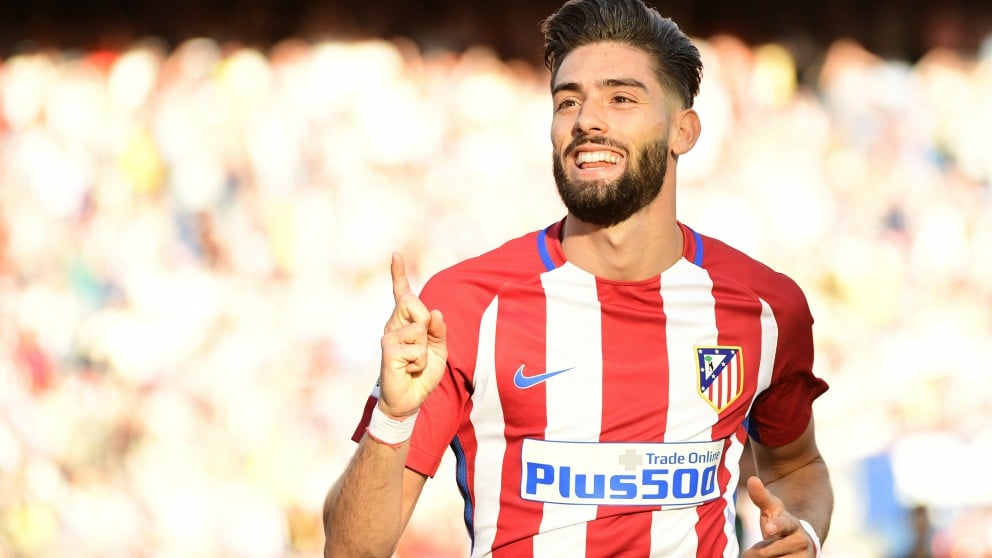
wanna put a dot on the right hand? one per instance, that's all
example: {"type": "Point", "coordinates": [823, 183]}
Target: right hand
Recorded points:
{"type": "Point", "coordinates": [414, 350]}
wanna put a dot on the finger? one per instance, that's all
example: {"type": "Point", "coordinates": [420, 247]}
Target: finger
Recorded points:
{"type": "Point", "coordinates": [437, 331]}
{"type": "Point", "coordinates": [401, 285]}
{"type": "Point", "coordinates": [408, 359]}
{"type": "Point", "coordinates": [796, 544]}
{"type": "Point", "coordinates": [782, 526]}
{"type": "Point", "coordinates": [410, 334]}
{"type": "Point", "coordinates": [408, 307]}
{"type": "Point", "coordinates": [416, 359]}
{"type": "Point", "coordinates": [762, 497]}
{"type": "Point", "coordinates": [405, 357]}
{"type": "Point", "coordinates": [771, 506]}
{"type": "Point", "coordinates": [409, 311]}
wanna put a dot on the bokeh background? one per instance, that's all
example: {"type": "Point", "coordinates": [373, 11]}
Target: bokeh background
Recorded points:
{"type": "Point", "coordinates": [198, 201]}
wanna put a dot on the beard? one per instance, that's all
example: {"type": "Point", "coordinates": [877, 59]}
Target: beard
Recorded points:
{"type": "Point", "coordinates": [603, 203]}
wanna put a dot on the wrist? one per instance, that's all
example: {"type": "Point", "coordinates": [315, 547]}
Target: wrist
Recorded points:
{"type": "Point", "coordinates": [813, 536]}
{"type": "Point", "coordinates": [387, 411]}
{"type": "Point", "coordinates": [388, 430]}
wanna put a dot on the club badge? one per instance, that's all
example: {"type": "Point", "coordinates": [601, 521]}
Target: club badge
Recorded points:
{"type": "Point", "coordinates": [721, 375]}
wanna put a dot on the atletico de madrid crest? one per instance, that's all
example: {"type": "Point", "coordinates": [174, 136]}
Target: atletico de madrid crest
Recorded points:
{"type": "Point", "coordinates": [721, 375]}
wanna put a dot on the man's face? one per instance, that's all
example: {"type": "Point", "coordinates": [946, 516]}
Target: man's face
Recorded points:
{"type": "Point", "coordinates": [609, 132]}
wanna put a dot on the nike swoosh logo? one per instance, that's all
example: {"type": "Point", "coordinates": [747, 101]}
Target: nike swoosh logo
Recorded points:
{"type": "Point", "coordinates": [525, 382]}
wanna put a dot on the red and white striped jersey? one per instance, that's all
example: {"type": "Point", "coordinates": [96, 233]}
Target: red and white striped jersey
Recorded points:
{"type": "Point", "coordinates": [592, 417]}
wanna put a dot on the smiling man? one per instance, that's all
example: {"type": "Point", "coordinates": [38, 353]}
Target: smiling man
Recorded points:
{"type": "Point", "coordinates": [595, 179]}
{"type": "Point", "coordinates": [597, 379]}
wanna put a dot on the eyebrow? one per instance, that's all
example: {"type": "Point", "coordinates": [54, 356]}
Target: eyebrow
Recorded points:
{"type": "Point", "coordinates": [606, 83]}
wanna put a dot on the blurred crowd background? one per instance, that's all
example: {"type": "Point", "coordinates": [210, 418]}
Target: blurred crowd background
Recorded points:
{"type": "Point", "coordinates": [195, 234]}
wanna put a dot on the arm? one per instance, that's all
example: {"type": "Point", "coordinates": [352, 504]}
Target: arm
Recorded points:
{"type": "Point", "coordinates": [792, 484]}
{"type": "Point", "coordinates": [367, 509]}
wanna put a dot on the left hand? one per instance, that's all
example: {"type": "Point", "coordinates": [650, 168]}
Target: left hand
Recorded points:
{"type": "Point", "coordinates": [781, 533]}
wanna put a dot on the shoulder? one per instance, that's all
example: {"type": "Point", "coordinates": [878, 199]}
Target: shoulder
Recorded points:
{"type": "Point", "coordinates": [481, 277]}
{"type": "Point", "coordinates": [729, 264]}
{"type": "Point", "coordinates": [464, 291]}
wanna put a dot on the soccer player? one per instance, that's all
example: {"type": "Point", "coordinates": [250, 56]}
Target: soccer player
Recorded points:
{"type": "Point", "coordinates": [597, 379]}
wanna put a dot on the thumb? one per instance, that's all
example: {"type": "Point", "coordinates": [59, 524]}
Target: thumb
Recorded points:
{"type": "Point", "coordinates": [771, 506]}
{"type": "Point", "coordinates": [437, 331]}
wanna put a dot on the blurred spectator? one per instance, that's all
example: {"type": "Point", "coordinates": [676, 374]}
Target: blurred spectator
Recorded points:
{"type": "Point", "coordinates": [194, 244]}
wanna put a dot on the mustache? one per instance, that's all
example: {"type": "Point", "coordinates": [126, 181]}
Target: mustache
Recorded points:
{"type": "Point", "coordinates": [597, 140]}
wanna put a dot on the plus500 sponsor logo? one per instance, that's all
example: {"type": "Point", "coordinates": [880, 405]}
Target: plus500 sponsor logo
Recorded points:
{"type": "Point", "coordinates": [650, 486]}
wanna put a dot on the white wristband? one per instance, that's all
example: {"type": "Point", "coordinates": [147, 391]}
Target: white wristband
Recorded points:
{"type": "Point", "coordinates": [812, 534]}
{"type": "Point", "coordinates": [389, 430]}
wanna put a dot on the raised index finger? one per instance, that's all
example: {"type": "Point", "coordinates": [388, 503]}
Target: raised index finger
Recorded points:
{"type": "Point", "coordinates": [408, 308]}
{"type": "Point", "coordinates": [401, 285]}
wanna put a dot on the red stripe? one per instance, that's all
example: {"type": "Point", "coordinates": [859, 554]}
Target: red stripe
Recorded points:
{"type": "Point", "coordinates": [370, 404]}
{"type": "Point", "coordinates": [738, 323]}
{"type": "Point", "coordinates": [728, 374]}
{"type": "Point", "coordinates": [520, 334]}
{"type": "Point", "coordinates": [726, 387]}
{"type": "Point", "coordinates": [633, 340]}
{"type": "Point", "coordinates": [719, 387]}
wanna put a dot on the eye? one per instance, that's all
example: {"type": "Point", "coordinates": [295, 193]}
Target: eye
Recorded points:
{"type": "Point", "coordinates": [622, 99]}
{"type": "Point", "coordinates": [567, 103]}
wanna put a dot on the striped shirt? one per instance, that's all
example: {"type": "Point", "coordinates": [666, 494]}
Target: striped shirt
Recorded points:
{"type": "Point", "coordinates": [592, 417]}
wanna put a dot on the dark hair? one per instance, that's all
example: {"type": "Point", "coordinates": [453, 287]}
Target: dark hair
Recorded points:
{"type": "Point", "coordinates": [581, 22]}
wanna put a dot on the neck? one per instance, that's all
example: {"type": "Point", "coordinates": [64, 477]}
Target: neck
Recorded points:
{"type": "Point", "coordinates": [641, 247]}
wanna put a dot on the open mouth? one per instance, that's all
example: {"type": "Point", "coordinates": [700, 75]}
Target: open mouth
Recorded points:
{"type": "Point", "coordinates": [597, 159]}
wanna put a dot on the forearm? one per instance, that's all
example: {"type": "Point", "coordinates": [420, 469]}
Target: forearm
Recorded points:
{"type": "Point", "coordinates": [363, 512]}
{"type": "Point", "coordinates": [367, 509]}
{"type": "Point", "coordinates": [806, 493]}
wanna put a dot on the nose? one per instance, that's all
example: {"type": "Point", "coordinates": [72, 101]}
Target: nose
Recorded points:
{"type": "Point", "coordinates": [590, 121]}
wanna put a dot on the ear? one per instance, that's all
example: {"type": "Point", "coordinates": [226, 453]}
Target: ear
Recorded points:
{"type": "Point", "coordinates": [685, 131]}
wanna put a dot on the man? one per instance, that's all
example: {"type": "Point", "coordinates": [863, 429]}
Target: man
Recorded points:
{"type": "Point", "coordinates": [598, 379]}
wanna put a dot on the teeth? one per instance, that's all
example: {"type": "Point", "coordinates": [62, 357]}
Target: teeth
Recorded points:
{"type": "Point", "coordinates": [597, 157]}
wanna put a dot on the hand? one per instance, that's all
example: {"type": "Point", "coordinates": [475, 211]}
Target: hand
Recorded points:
{"type": "Point", "coordinates": [781, 533]}
{"type": "Point", "coordinates": [414, 351]}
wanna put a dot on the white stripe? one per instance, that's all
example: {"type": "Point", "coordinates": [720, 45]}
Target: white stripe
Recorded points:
{"type": "Point", "coordinates": [573, 537]}
{"type": "Point", "coordinates": [574, 398]}
{"type": "Point", "coordinates": [690, 310]}
{"type": "Point", "coordinates": [733, 456]}
{"type": "Point", "coordinates": [673, 533]}
{"type": "Point", "coordinates": [691, 321]}
{"type": "Point", "coordinates": [690, 317]}
{"type": "Point", "coordinates": [487, 419]}
{"type": "Point", "coordinates": [769, 344]}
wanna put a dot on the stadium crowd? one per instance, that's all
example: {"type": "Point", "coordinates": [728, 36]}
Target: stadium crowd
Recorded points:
{"type": "Point", "coordinates": [194, 247]}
